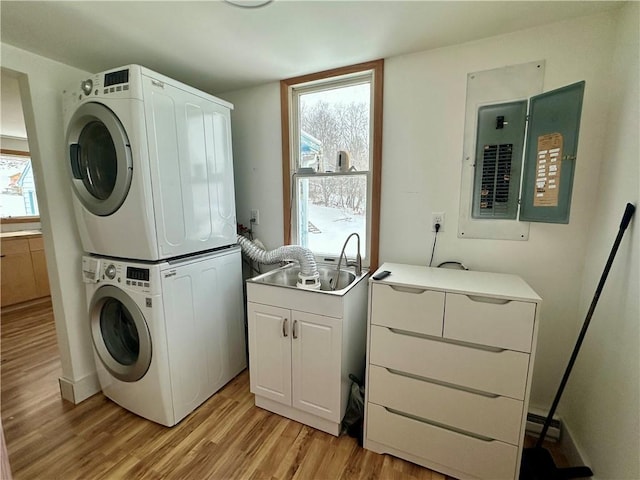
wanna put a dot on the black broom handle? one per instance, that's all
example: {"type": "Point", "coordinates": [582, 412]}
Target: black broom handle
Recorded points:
{"type": "Point", "coordinates": [626, 218]}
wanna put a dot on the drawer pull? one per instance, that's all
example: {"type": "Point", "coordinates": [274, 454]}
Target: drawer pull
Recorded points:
{"type": "Point", "coordinates": [446, 340]}
{"type": "Point", "coordinates": [441, 383]}
{"type": "Point", "coordinates": [494, 301]}
{"type": "Point", "coordinates": [416, 291]}
{"type": "Point", "coordinates": [439, 425]}
{"type": "Point", "coordinates": [284, 328]}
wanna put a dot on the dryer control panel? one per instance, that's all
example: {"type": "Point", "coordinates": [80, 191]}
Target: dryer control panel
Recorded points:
{"type": "Point", "coordinates": [90, 270]}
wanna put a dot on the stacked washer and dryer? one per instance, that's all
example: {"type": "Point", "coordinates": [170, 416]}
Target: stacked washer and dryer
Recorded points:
{"type": "Point", "coordinates": [151, 167]}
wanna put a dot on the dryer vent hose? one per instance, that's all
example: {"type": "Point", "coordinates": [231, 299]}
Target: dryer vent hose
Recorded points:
{"type": "Point", "coordinates": [256, 251]}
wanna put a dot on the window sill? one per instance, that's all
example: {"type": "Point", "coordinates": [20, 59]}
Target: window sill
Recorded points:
{"type": "Point", "coordinates": [329, 174]}
{"type": "Point", "coordinates": [10, 220]}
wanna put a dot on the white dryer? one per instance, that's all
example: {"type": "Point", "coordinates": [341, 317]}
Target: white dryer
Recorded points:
{"type": "Point", "coordinates": [166, 335]}
{"type": "Point", "coordinates": [151, 166]}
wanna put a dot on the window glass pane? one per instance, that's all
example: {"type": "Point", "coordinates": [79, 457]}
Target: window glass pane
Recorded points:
{"type": "Point", "coordinates": [329, 209]}
{"type": "Point", "coordinates": [17, 187]}
{"type": "Point", "coordinates": [333, 120]}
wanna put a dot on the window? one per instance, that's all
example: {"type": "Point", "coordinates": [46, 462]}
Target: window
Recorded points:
{"type": "Point", "coordinates": [332, 144]}
{"type": "Point", "coordinates": [18, 197]}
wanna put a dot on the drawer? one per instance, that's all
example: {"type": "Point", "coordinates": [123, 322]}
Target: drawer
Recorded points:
{"type": "Point", "coordinates": [404, 308]}
{"type": "Point", "coordinates": [488, 459]}
{"type": "Point", "coordinates": [487, 321]}
{"type": "Point", "coordinates": [496, 417]}
{"type": "Point", "coordinates": [10, 247]}
{"type": "Point", "coordinates": [502, 372]}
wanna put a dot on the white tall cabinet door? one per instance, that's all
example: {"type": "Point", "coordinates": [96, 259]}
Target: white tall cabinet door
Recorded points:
{"type": "Point", "coordinates": [270, 352]}
{"type": "Point", "coordinates": [316, 352]}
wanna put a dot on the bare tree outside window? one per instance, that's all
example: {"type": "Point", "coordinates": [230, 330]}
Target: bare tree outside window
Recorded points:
{"type": "Point", "coordinates": [331, 207]}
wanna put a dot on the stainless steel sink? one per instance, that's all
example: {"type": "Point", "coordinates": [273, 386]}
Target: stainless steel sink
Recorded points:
{"type": "Point", "coordinates": [287, 276]}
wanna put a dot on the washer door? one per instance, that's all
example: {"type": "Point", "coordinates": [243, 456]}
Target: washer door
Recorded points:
{"type": "Point", "coordinates": [120, 334]}
{"type": "Point", "coordinates": [99, 158]}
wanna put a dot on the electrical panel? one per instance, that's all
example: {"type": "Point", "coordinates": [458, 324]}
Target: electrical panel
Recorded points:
{"type": "Point", "coordinates": [545, 161]}
{"type": "Point", "coordinates": [499, 151]}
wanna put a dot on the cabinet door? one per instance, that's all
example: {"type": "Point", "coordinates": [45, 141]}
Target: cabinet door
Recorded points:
{"type": "Point", "coordinates": [36, 245]}
{"type": "Point", "coordinates": [270, 352]}
{"type": "Point", "coordinates": [316, 352]}
{"type": "Point", "coordinates": [18, 284]}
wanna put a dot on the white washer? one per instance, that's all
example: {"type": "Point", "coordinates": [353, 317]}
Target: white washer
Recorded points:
{"type": "Point", "coordinates": [151, 166]}
{"type": "Point", "coordinates": [166, 335]}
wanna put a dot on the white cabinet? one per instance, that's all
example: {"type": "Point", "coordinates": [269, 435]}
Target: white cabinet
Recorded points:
{"type": "Point", "coordinates": [449, 361]}
{"type": "Point", "coordinates": [295, 359]}
{"type": "Point", "coordinates": [270, 352]}
{"type": "Point", "coordinates": [302, 347]}
{"type": "Point", "coordinates": [316, 347]}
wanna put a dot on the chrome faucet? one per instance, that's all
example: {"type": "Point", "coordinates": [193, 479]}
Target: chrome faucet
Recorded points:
{"type": "Point", "coordinates": [357, 264]}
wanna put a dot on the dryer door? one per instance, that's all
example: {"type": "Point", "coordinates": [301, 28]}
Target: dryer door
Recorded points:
{"type": "Point", "coordinates": [100, 161]}
{"type": "Point", "coordinates": [120, 334]}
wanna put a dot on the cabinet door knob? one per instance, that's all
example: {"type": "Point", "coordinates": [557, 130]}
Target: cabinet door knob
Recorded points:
{"type": "Point", "coordinates": [295, 330]}
{"type": "Point", "coordinates": [284, 328]}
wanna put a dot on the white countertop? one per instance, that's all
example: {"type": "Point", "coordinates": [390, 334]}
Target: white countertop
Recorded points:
{"type": "Point", "coordinates": [499, 285]}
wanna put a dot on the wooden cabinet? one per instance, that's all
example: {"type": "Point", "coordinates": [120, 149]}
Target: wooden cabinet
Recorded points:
{"type": "Point", "coordinates": [449, 363]}
{"type": "Point", "coordinates": [302, 347]}
{"type": "Point", "coordinates": [23, 269]}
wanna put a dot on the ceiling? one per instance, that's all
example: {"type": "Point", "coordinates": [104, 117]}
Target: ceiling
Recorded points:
{"type": "Point", "coordinates": [218, 47]}
{"type": "Point", "coordinates": [11, 117]}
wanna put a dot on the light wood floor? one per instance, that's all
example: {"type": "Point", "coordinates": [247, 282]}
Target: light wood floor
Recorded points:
{"type": "Point", "coordinates": [227, 437]}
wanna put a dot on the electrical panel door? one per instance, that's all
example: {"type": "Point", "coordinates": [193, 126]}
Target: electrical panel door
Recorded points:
{"type": "Point", "coordinates": [550, 157]}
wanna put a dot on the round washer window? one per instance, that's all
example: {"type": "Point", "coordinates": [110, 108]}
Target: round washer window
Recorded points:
{"type": "Point", "coordinates": [119, 332]}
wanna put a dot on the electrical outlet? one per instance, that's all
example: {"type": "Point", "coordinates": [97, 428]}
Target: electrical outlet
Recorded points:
{"type": "Point", "coordinates": [255, 216]}
{"type": "Point", "coordinates": [437, 217]}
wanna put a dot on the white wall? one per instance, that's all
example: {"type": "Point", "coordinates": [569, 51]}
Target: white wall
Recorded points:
{"type": "Point", "coordinates": [422, 154]}
{"type": "Point", "coordinates": [424, 105]}
{"type": "Point", "coordinates": [41, 85]}
{"type": "Point", "coordinates": [602, 401]}
{"type": "Point", "coordinates": [257, 156]}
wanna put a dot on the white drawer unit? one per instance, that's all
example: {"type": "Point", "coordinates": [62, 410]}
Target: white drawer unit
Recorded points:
{"type": "Point", "coordinates": [449, 360]}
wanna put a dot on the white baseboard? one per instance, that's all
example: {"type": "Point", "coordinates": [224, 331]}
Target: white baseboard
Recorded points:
{"type": "Point", "coordinates": [76, 392]}
{"type": "Point", "coordinates": [535, 422]}
{"type": "Point", "coordinates": [571, 449]}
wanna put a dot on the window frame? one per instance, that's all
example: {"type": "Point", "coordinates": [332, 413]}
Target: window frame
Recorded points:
{"type": "Point", "coordinates": [375, 168]}
{"type": "Point", "coordinates": [18, 219]}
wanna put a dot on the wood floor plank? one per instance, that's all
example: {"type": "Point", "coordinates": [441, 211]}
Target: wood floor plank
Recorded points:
{"type": "Point", "coordinates": [228, 437]}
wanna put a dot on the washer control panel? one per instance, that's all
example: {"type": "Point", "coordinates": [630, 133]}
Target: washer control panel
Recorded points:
{"type": "Point", "coordinates": [138, 276]}
{"type": "Point", "coordinates": [110, 271]}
